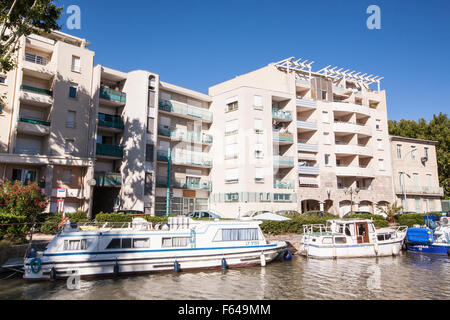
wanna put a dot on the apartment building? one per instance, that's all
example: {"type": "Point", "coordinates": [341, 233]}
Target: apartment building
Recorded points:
{"type": "Point", "coordinates": [44, 127]}
{"type": "Point", "coordinates": [415, 174]}
{"type": "Point", "coordinates": [288, 138]}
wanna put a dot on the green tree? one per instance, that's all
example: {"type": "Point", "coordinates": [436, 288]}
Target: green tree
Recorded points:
{"type": "Point", "coordinates": [438, 129]}
{"type": "Point", "coordinates": [391, 210]}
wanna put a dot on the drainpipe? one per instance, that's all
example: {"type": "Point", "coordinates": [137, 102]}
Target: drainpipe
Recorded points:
{"type": "Point", "coordinates": [169, 159]}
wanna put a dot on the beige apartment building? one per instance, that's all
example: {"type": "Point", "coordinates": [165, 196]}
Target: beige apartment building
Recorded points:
{"type": "Point", "coordinates": [283, 137]}
{"type": "Point", "coordinates": [415, 174]}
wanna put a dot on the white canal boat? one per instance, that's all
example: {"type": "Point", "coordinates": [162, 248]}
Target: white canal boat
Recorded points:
{"type": "Point", "coordinates": [350, 239]}
{"type": "Point", "coordinates": [141, 246]}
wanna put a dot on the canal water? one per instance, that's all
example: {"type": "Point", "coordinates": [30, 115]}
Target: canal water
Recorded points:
{"type": "Point", "coordinates": [409, 276]}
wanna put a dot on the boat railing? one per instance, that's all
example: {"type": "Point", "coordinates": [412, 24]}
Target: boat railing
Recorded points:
{"type": "Point", "coordinates": [316, 229]}
{"type": "Point", "coordinates": [95, 225]}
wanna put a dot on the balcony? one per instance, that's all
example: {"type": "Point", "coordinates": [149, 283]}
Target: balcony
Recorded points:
{"type": "Point", "coordinates": [188, 184]}
{"type": "Point", "coordinates": [418, 190]}
{"type": "Point", "coordinates": [108, 179]}
{"type": "Point", "coordinates": [38, 66]}
{"type": "Point", "coordinates": [109, 150]}
{"type": "Point", "coordinates": [185, 111]}
{"type": "Point", "coordinates": [36, 90]}
{"type": "Point", "coordinates": [281, 115]}
{"type": "Point", "coordinates": [36, 96]}
{"type": "Point", "coordinates": [282, 184]}
{"type": "Point", "coordinates": [283, 138]}
{"type": "Point", "coordinates": [306, 104]}
{"type": "Point", "coordinates": [308, 169]}
{"type": "Point", "coordinates": [305, 146]}
{"type": "Point", "coordinates": [110, 121]}
{"type": "Point", "coordinates": [186, 159]}
{"type": "Point", "coordinates": [176, 134]}
{"type": "Point", "coordinates": [307, 125]}
{"type": "Point", "coordinates": [341, 91]}
{"type": "Point", "coordinates": [349, 127]}
{"type": "Point", "coordinates": [113, 97]}
{"type": "Point", "coordinates": [361, 150]}
{"type": "Point", "coordinates": [350, 171]}
{"type": "Point", "coordinates": [33, 127]}
{"type": "Point", "coordinates": [303, 83]}
{"type": "Point", "coordinates": [351, 108]}
{"type": "Point", "coordinates": [283, 162]}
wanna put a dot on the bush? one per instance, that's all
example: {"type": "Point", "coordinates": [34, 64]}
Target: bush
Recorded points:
{"type": "Point", "coordinates": [13, 226]}
{"type": "Point", "coordinates": [50, 225]}
{"type": "Point", "coordinates": [17, 199]}
{"type": "Point", "coordinates": [293, 226]}
{"type": "Point", "coordinates": [365, 216]}
{"type": "Point", "coordinates": [410, 219]}
{"type": "Point", "coordinates": [120, 217]}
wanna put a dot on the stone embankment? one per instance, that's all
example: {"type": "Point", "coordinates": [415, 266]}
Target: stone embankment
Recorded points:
{"type": "Point", "coordinates": [293, 240]}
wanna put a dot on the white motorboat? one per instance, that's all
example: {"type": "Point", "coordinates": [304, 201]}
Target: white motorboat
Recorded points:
{"type": "Point", "coordinates": [350, 239]}
{"type": "Point", "coordinates": [141, 246]}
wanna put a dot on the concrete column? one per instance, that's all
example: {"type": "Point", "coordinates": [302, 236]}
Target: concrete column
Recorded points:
{"type": "Point", "coordinates": [48, 184]}
{"type": "Point", "coordinates": [322, 206]}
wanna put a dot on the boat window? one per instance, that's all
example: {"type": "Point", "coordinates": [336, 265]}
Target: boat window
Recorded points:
{"type": "Point", "coordinates": [175, 242]}
{"type": "Point", "coordinates": [114, 244]}
{"type": "Point", "coordinates": [239, 234]}
{"type": "Point", "coordinates": [381, 237]}
{"type": "Point", "coordinates": [347, 231]}
{"type": "Point", "coordinates": [340, 240]}
{"type": "Point", "coordinates": [327, 240]}
{"type": "Point", "coordinates": [362, 229]}
{"type": "Point", "coordinates": [141, 243]}
{"type": "Point", "coordinates": [340, 228]}
{"type": "Point", "coordinates": [73, 245]}
{"type": "Point", "coordinates": [126, 243]}
{"type": "Point", "coordinates": [371, 228]}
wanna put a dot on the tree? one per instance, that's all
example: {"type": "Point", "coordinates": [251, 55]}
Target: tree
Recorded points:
{"type": "Point", "coordinates": [21, 18]}
{"type": "Point", "coordinates": [391, 210]}
{"type": "Point", "coordinates": [18, 199]}
{"type": "Point", "coordinates": [438, 129]}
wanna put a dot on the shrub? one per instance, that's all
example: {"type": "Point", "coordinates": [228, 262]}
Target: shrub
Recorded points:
{"type": "Point", "coordinates": [410, 219]}
{"type": "Point", "coordinates": [50, 225]}
{"type": "Point", "coordinates": [17, 199]}
{"type": "Point", "coordinates": [13, 226]}
{"type": "Point", "coordinates": [292, 226]}
{"type": "Point", "coordinates": [373, 217]}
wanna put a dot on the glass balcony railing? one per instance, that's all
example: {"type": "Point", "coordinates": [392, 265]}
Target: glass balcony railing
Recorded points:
{"type": "Point", "coordinates": [36, 90]}
{"type": "Point", "coordinates": [110, 150]}
{"type": "Point", "coordinates": [284, 161]}
{"type": "Point", "coordinates": [188, 183]}
{"type": "Point", "coordinates": [185, 110]}
{"type": "Point", "coordinates": [110, 121]}
{"type": "Point", "coordinates": [189, 136]}
{"type": "Point", "coordinates": [113, 95]}
{"type": "Point", "coordinates": [283, 184]}
{"type": "Point", "coordinates": [281, 114]}
{"type": "Point", "coordinates": [283, 137]}
{"type": "Point", "coordinates": [108, 179]}
{"type": "Point", "coordinates": [190, 158]}
{"type": "Point", "coordinates": [39, 122]}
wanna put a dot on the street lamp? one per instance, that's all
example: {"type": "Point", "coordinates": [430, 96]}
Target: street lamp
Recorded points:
{"type": "Point", "coordinates": [402, 181]}
{"type": "Point", "coordinates": [351, 191]}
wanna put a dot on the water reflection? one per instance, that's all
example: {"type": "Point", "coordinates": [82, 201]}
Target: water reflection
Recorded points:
{"type": "Point", "coordinates": [409, 276]}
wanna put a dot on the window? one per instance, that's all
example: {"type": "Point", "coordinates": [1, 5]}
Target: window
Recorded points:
{"type": "Point", "coordinates": [175, 242]}
{"type": "Point", "coordinates": [259, 153]}
{"type": "Point", "coordinates": [233, 106]}
{"type": "Point", "coordinates": [149, 152]}
{"type": "Point", "coordinates": [67, 177]}
{"type": "Point", "coordinates": [231, 150]}
{"type": "Point", "coordinates": [418, 205]}
{"type": "Point", "coordinates": [327, 159]}
{"type": "Point", "coordinates": [2, 79]}
{"type": "Point", "coordinates": [280, 197]}
{"type": "Point", "coordinates": [126, 243]}
{"type": "Point", "coordinates": [381, 164]}
{"type": "Point", "coordinates": [148, 188]}
{"type": "Point", "coordinates": [232, 175]}
{"type": "Point", "coordinates": [231, 127]}
{"type": "Point", "coordinates": [401, 179]}
{"type": "Point", "coordinates": [259, 174]}
{"type": "Point", "coordinates": [326, 136]}
{"type": "Point", "coordinates": [325, 117]}
{"type": "Point", "coordinates": [141, 243]}
{"type": "Point", "coordinates": [76, 64]}
{"type": "Point", "coordinates": [73, 90]}
{"type": "Point", "coordinates": [429, 180]}
{"type": "Point", "coordinates": [69, 146]}
{"type": "Point", "coordinates": [416, 179]}
{"type": "Point", "coordinates": [150, 125]}
{"type": "Point", "coordinates": [264, 197]}
{"type": "Point", "coordinates": [239, 234]}
{"type": "Point", "coordinates": [380, 144]}
{"type": "Point", "coordinates": [324, 95]}
{"type": "Point", "coordinates": [232, 197]}
{"type": "Point", "coordinates": [257, 103]}
{"type": "Point", "coordinates": [258, 126]}
{"type": "Point", "coordinates": [426, 152]}
{"type": "Point", "coordinates": [399, 151]}
{"type": "Point", "coordinates": [71, 117]}
{"type": "Point", "coordinates": [378, 124]}
{"type": "Point", "coordinates": [74, 245]}
{"type": "Point", "coordinates": [413, 153]}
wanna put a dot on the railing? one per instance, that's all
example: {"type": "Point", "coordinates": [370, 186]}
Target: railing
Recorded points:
{"type": "Point", "coordinates": [283, 184]}
{"type": "Point", "coordinates": [281, 114]}
{"type": "Point", "coordinates": [306, 103]}
{"type": "Point", "coordinates": [316, 229]}
{"type": "Point", "coordinates": [113, 95]}
{"type": "Point", "coordinates": [107, 120]}
{"type": "Point", "coordinates": [283, 137]}
{"type": "Point", "coordinates": [36, 90]}
{"type": "Point", "coordinates": [419, 190]}
{"type": "Point", "coordinates": [284, 161]}
{"type": "Point", "coordinates": [304, 168]}
{"type": "Point", "coordinates": [190, 136]}
{"type": "Point", "coordinates": [108, 178]}
{"type": "Point", "coordinates": [183, 109]}
{"type": "Point", "coordinates": [189, 184]}
{"type": "Point", "coordinates": [36, 59]}
{"type": "Point", "coordinates": [197, 159]}
{"type": "Point", "coordinates": [110, 150]}
{"type": "Point", "coordinates": [303, 145]}
{"type": "Point", "coordinates": [30, 152]}
{"type": "Point", "coordinates": [39, 122]}
{"type": "Point", "coordinates": [307, 125]}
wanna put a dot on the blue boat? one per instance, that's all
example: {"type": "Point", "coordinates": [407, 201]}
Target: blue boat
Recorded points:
{"type": "Point", "coordinates": [433, 238]}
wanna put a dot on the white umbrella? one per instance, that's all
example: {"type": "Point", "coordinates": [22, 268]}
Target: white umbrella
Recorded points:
{"type": "Point", "coordinates": [270, 216]}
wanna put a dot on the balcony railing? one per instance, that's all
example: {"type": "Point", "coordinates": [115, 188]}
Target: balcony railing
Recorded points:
{"type": "Point", "coordinates": [307, 125]}
{"type": "Point", "coordinates": [185, 110]}
{"type": "Point", "coordinates": [110, 150]}
{"type": "Point", "coordinates": [281, 114]}
{"type": "Point", "coordinates": [188, 184]}
{"type": "Point", "coordinates": [113, 95]}
{"type": "Point", "coordinates": [39, 122]}
{"type": "Point", "coordinates": [36, 90]}
{"type": "Point", "coordinates": [110, 121]}
{"type": "Point", "coordinates": [283, 184]}
{"type": "Point", "coordinates": [36, 59]}
{"type": "Point", "coordinates": [306, 103]}
{"type": "Point", "coordinates": [284, 161]}
{"type": "Point", "coordinates": [184, 135]}
{"type": "Point", "coordinates": [304, 145]}
{"type": "Point", "coordinates": [108, 179]}
{"type": "Point", "coordinates": [283, 137]}
{"type": "Point", "coordinates": [419, 190]}
{"type": "Point", "coordinates": [190, 158]}
{"type": "Point", "coordinates": [305, 168]}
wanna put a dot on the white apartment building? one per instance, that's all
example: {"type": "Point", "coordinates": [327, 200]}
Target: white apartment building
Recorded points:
{"type": "Point", "coordinates": [283, 137]}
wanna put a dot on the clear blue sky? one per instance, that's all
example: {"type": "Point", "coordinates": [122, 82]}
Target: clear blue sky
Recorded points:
{"type": "Point", "coordinates": [198, 43]}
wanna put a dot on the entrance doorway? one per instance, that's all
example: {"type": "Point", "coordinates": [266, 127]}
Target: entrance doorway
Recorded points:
{"type": "Point", "coordinates": [362, 232]}
{"type": "Point", "coordinates": [188, 205]}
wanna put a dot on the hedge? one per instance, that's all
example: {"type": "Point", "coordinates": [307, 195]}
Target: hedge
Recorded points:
{"type": "Point", "coordinates": [50, 224]}
{"type": "Point", "coordinates": [120, 217]}
{"type": "Point", "coordinates": [410, 219]}
{"type": "Point", "coordinates": [8, 226]}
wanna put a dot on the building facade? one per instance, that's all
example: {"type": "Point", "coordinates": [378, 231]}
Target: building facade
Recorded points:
{"type": "Point", "coordinates": [415, 175]}
{"type": "Point", "coordinates": [283, 137]}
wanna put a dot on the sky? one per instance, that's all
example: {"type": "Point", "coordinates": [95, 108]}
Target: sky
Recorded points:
{"type": "Point", "coordinates": [199, 43]}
